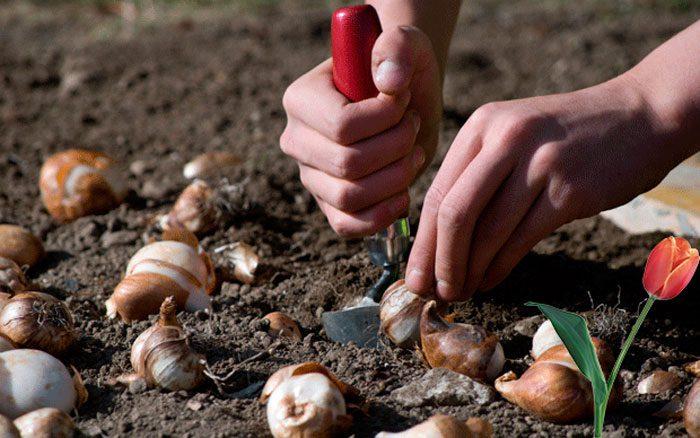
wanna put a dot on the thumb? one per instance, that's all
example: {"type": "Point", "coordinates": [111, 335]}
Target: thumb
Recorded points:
{"type": "Point", "coordinates": [398, 55]}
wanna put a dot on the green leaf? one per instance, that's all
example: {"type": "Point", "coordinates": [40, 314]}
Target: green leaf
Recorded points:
{"type": "Point", "coordinates": [573, 331]}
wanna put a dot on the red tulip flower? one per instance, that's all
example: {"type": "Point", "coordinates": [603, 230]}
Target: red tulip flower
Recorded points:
{"type": "Point", "coordinates": [670, 267]}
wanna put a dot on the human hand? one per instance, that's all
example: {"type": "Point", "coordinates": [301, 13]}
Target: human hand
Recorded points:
{"type": "Point", "coordinates": [358, 159]}
{"type": "Point", "coordinates": [518, 170]}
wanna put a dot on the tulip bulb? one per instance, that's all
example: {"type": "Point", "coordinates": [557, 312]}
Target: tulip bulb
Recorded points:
{"type": "Point", "coordinates": [12, 277]}
{"type": "Point", "coordinates": [45, 423]}
{"type": "Point", "coordinates": [307, 405]}
{"type": "Point", "coordinates": [162, 356]}
{"type": "Point", "coordinates": [658, 382]}
{"type": "Point", "coordinates": [691, 411]}
{"type": "Point", "coordinates": [553, 388]}
{"type": "Point", "coordinates": [20, 245]}
{"type": "Point", "coordinates": [281, 325]}
{"type": "Point", "coordinates": [210, 163]}
{"type": "Point", "coordinates": [545, 338]}
{"type": "Point", "coordinates": [243, 259]}
{"type": "Point", "coordinates": [7, 428]}
{"type": "Point", "coordinates": [463, 348]}
{"type": "Point", "coordinates": [77, 183]}
{"type": "Point", "coordinates": [399, 312]}
{"type": "Point", "coordinates": [5, 344]}
{"type": "Point", "coordinates": [37, 320]}
{"type": "Point", "coordinates": [178, 268]}
{"type": "Point", "coordinates": [195, 209]}
{"type": "Point", "coordinates": [33, 379]}
{"type": "Point", "coordinates": [444, 426]}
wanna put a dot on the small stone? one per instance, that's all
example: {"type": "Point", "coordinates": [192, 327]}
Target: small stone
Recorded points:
{"type": "Point", "coordinates": [443, 387]}
{"type": "Point", "coordinates": [110, 239]}
{"type": "Point", "coordinates": [92, 431]}
{"type": "Point", "coordinates": [138, 167]}
{"type": "Point", "coordinates": [693, 368]}
{"type": "Point", "coordinates": [154, 190]}
{"type": "Point", "coordinates": [194, 405]}
{"type": "Point", "coordinates": [137, 386]}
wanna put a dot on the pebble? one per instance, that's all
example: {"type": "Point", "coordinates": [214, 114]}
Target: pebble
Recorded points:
{"type": "Point", "coordinates": [443, 387]}
{"type": "Point", "coordinates": [528, 326]}
{"type": "Point", "coordinates": [137, 386]}
{"type": "Point", "coordinates": [110, 239]}
{"type": "Point", "coordinates": [194, 405]}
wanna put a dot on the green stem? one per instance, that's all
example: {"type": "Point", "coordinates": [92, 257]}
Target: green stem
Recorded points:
{"type": "Point", "coordinates": [599, 413]}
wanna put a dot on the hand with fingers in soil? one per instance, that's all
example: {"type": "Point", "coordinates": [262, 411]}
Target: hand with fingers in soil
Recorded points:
{"type": "Point", "coordinates": [516, 171]}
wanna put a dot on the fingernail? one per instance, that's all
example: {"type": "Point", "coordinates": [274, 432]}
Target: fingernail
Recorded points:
{"type": "Point", "coordinates": [443, 289]}
{"type": "Point", "coordinates": [418, 157]}
{"type": "Point", "coordinates": [415, 118]}
{"type": "Point", "coordinates": [415, 276]}
{"type": "Point", "coordinates": [389, 75]}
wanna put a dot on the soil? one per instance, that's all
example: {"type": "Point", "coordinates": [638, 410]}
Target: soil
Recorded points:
{"type": "Point", "coordinates": [177, 80]}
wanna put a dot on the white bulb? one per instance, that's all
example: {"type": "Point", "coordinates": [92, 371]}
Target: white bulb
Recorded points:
{"type": "Point", "coordinates": [32, 379]}
{"type": "Point", "coordinates": [545, 338]}
{"type": "Point", "coordinates": [308, 405]}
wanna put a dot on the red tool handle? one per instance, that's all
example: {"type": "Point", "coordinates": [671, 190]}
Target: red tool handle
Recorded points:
{"type": "Point", "coordinates": [354, 29]}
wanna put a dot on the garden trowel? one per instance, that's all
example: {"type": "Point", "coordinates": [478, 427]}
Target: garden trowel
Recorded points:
{"type": "Point", "coordinates": [354, 30]}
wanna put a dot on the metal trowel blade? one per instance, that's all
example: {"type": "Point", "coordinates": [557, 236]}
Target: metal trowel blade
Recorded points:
{"type": "Point", "coordinates": [358, 324]}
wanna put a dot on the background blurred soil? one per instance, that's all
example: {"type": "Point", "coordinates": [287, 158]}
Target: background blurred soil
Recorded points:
{"type": "Point", "coordinates": [161, 84]}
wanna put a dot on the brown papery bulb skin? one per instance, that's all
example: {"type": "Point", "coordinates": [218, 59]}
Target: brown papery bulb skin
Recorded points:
{"type": "Point", "coordinates": [20, 245]}
{"type": "Point", "coordinates": [39, 321]}
{"type": "Point", "coordinates": [691, 411]}
{"type": "Point", "coordinates": [12, 279]}
{"type": "Point", "coordinates": [463, 348]}
{"type": "Point", "coordinates": [195, 209]}
{"type": "Point", "coordinates": [285, 373]}
{"type": "Point", "coordinates": [162, 354]}
{"type": "Point", "coordinates": [210, 164]}
{"type": "Point", "coordinates": [399, 313]}
{"type": "Point", "coordinates": [437, 426]}
{"type": "Point", "coordinates": [45, 423]}
{"type": "Point", "coordinates": [282, 326]}
{"type": "Point", "coordinates": [77, 183]}
{"type": "Point", "coordinates": [178, 268]}
{"type": "Point", "coordinates": [553, 388]}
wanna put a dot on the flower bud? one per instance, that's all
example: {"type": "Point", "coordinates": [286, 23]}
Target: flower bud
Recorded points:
{"type": "Point", "coordinates": [670, 267]}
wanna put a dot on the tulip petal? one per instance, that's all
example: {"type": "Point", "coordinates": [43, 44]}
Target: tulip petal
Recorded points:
{"type": "Point", "coordinates": [659, 265]}
{"type": "Point", "coordinates": [680, 277]}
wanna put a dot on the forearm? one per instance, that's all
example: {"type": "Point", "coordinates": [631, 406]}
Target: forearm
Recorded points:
{"type": "Point", "coordinates": [436, 18]}
{"type": "Point", "coordinates": [669, 79]}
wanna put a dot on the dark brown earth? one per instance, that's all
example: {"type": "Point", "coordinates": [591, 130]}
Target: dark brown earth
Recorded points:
{"type": "Point", "coordinates": [180, 80]}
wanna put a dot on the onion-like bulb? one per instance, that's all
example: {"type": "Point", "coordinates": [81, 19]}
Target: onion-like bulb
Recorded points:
{"type": "Point", "coordinates": [177, 267]}
{"type": "Point", "coordinates": [307, 400]}
{"type": "Point", "coordinates": [45, 423]}
{"type": "Point", "coordinates": [691, 411]}
{"type": "Point", "coordinates": [77, 183]}
{"type": "Point", "coordinates": [545, 338]}
{"type": "Point", "coordinates": [281, 325]}
{"type": "Point", "coordinates": [195, 209]}
{"type": "Point", "coordinates": [20, 245]}
{"type": "Point", "coordinates": [33, 379]}
{"type": "Point", "coordinates": [399, 313]}
{"type": "Point", "coordinates": [162, 355]}
{"type": "Point", "coordinates": [464, 348]}
{"type": "Point", "coordinates": [444, 426]}
{"type": "Point", "coordinates": [210, 164]}
{"type": "Point", "coordinates": [12, 279]}
{"type": "Point", "coordinates": [37, 320]}
{"type": "Point", "coordinates": [553, 388]}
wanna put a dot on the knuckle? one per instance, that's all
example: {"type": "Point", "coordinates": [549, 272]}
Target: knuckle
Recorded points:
{"type": "Point", "coordinates": [484, 112]}
{"type": "Point", "coordinates": [340, 225]}
{"type": "Point", "coordinates": [341, 127]}
{"type": "Point", "coordinates": [451, 216]}
{"type": "Point", "coordinates": [290, 97]}
{"type": "Point", "coordinates": [565, 195]}
{"type": "Point", "coordinates": [344, 197]}
{"type": "Point", "coordinates": [286, 141]}
{"type": "Point", "coordinates": [348, 165]}
{"type": "Point", "coordinates": [433, 199]}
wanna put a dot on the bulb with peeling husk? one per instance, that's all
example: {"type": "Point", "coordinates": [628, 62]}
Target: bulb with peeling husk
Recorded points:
{"type": "Point", "coordinates": [545, 338]}
{"type": "Point", "coordinates": [464, 348]}
{"type": "Point", "coordinates": [444, 426]}
{"type": "Point", "coordinates": [553, 388]}
{"type": "Point", "coordinates": [162, 355]}
{"type": "Point", "coordinates": [658, 382]}
{"type": "Point", "coordinates": [399, 313]}
{"type": "Point", "coordinates": [12, 279]}
{"type": "Point", "coordinates": [210, 164]}
{"type": "Point", "coordinates": [77, 183]}
{"type": "Point", "coordinates": [176, 266]}
{"type": "Point", "coordinates": [307, 400]}
{"type": "Point", "coordinates": [33, 379]}
{"type": "Point", "coordinates": [37, 320]}
{"type": "Point", "coordinates": [45, 422]}
{"type": "Point", "coordinates": [691, 411]}
{"type": "Point", "coordinates": [242, 258]}
{"type": "Point", "coordinates": [195, 209]}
